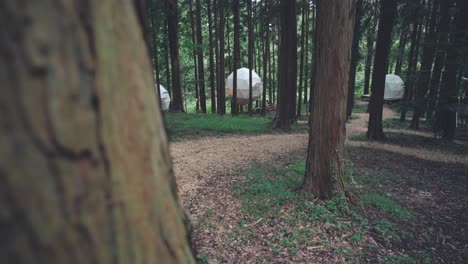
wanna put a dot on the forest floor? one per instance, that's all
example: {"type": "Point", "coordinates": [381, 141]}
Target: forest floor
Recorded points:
{"type": "Point", "coordinates": [243, 192]}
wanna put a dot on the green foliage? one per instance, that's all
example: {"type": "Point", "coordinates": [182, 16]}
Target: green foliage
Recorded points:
{"type": "Point", "coordinates": [400, 260]}
{"type": "Point", "coordinates": [195, 125]}
{"type": "Point", "coordinates": [203, 257]}
{"type": "Point", "coordinates": [395, 123]}
{"type": "Point", "coordinates": [387, 205]}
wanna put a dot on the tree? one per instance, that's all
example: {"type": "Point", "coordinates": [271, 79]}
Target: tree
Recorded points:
{"type": "Point", "coordinates": [370, 48]}
{"type": "Point", "coordinates": [266, 64]}
{"type": "Point", "coordinates": [354, 59]}
{"type": "Point", "coordinates": [448, 100]}
{"type": "Point", "coordinates": [172, 15]}
{"type": "Point", "coordinates": [325, 173]}
{"type": "Point", "coordinates": [287, 66]}
{"type": "Point", "coordinates": [303, 52]}
{"type": "Point", "coordinates": [105, 194]}
{"type": "Point", "coordinates": [443, 29]}
{"type": "Point", "coordinates": [251, 51]}
{"type": "Point", "coordinates": [235, 9]}
{"type": "Point", "coordinates": [221, 68]}
{"type": "Point", "coordinates": [426, 67]}
{"type": "Point", "coordinates": [201, 67]}
{"type": "Point", "coordinates": [212, 67]}
{"type": "Point", "coordinates": [387, 16]}
{"type": "Point", "coordinates": [194, 55]}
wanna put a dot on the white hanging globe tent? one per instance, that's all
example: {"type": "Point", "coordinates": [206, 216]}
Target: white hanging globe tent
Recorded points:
{"type": "Point", "coordinates": [394, 88]}
{"type": "Point", "coordinates": [243, 86]}
{"type": "Point", "coordinates": [165, 97]}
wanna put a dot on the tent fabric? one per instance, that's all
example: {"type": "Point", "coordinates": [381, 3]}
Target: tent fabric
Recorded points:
{"type": "Point", "coordinates": [394, 87]}
{"type": "Point", "coordinates": [165, 97]}
{"type": "Point", "coordinates": [243, 85]}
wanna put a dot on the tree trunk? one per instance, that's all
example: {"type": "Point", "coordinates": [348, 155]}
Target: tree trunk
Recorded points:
{"type": "Point", "coordinates": [266, 64]}
{"type": "Point", "coordinates": [370, 54]}
{"type": "Point", "coordinates": [172, 15]}
{"type": "Point", "coordinates": [201, 66]}
{"type": "Point", "coordinates": [235, 9]}
{"type": "Point", "coordinates": [287, 66]}
{"type": "Point", "coordinates": [446, 112]}
{"type": "Point", "coordinates": [250, 53]}
{"type": "Point", "coordinates": [85, 168]}
{"type": "Point", "coordinates": [301, 67]}
{"type": "Point", "coordinates": [401, 50]}
{"type": "Point", "coordinates": [314, 56]}
{"type": "Point", "coordinates": [306, 62]}
{"type": "Point", "coordinates": [325, 174]}
{"type": "Point", "coordinates": [426, 67]}
{"type": "Point", "coordinates": [154, 41]}
{"type": "Point", "coordinates": [354, 59]}
{"type": "Point", "coordinates": [221, 68]}
{"type": "Point", "coordinates": [387, 16]}
{"type": "Point", "coordinates": [167, 61]}
{"type": "Point", "coordinates": [194, 55]}
{"type": "Point", "coordinates": [443, 29]}
{"type": "Point", "coordinates": [212, 67]}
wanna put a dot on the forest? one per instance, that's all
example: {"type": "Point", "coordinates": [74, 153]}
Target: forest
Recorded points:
{"type": "Point", "coordinates": [234, 131]}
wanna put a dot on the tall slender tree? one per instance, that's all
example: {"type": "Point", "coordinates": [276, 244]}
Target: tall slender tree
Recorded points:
{"type": "Point", "coordinates": [325, 173]}
{"type": "Point", "coordinates": [354, 59]}
{"type": "Point", "coordinates": [427, 61]}
{"type": "Point", "coordinates": [201, 62]}
{"type": "Point", "coordinates": [287, 66]}
{"type": "Point", "coordinates": [370, 40]}
{"type": "Point", "coordinates": [250, 52]}
{"type": "Point", "coordinates": [194, 55]}
{"type": "Point", "coordinates": [86, 197]}
{"type": "Point", "coordinates": [172, 15]}
{"type": "Point", "coordinates": [212, 66]}
{"type": "Point", "coordinates": [303, 52]}
{"type": "Point", "coordinates": [446, 112]}
{"type": "Point", "coordinates": [221, 68]}
{"type": "Point", "coordinates": [387, 17]}
{"type": "Point", "coordinates": [236, 11]}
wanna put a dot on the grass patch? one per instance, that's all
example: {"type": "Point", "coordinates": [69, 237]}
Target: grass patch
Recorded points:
{"type": "Point", "coordinates": [387, 205]}
{"type": "Point", "coordinates": [404, 259]}
{"type": "Point", "coordinates": [395, 123]}
{"type": "Point", "coordinates": [181, 125]}
{"type": "Point", "coordinates": [359, 110]}
{"type": "Point", "coordinates": [359, 137]}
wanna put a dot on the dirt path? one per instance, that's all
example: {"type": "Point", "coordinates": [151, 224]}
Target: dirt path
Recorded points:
{"type": "Point", "coordinates": [428, 176]}
{"type": "Point", "coordinates": [197, 161]}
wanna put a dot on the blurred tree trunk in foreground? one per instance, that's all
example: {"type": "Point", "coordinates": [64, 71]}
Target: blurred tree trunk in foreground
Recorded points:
{"type": "Point", "coordinates": [85, 174]}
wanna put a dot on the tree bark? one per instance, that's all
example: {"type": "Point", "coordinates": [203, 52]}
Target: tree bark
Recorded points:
{"type": "Point", "coordinates": [235, 9]}
{"type": "Point", "coordinates": [221, 68]}
{"type": "Point", "coordinates": [354, 59]}
{"type": "Point", "coordinates": [85, 171]}
{"type": "Point", "coordinates": [167, 61]}
{"type": "Point", "coordinates": [443, 29]}
{"type": "Point", "coordinates": [266, 72]}
{"type": "Point", "coordinates": [194, 55]}
{"type": "Point", "coordinates": [172, 15]}
{"type": "Point", "coordinates": [212, 63]}
{"type": "Point", "coordinates": [370, 53]}
{"type": "Point", "coordinates": [426, 67]}
{"type": "Point", "coordinates": [287, 66]}
{"type": "Point", "coordinates": [401, 50]}
{"type": "Point", "coordinates": [201, 66]}
{"type": "Point", "coordinates": [301, 67]}
{"type": "Point", "coordinates": [325, 173]}
{"type": "Point", "coordinates": [387, 16]}
{"type": "Point", "coordinates": [250, 53]}
{"type": "Point", "coordinates": [446, 112]}
{"type": "Point", "coordinates": [154, 42]}
{"type": "Point", "coordinates": [306, 62]}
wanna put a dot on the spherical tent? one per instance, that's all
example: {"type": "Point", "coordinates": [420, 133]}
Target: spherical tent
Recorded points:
{"type": "Point", "coordinates": [394, 87]}
{"type": "Point", "coordinates": [165, 97]}
{"type": "Point", "coordinates": [243, 86]}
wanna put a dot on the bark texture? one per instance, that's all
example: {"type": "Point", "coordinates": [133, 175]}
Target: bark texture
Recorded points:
{"type": "Point", "coordinates": [325, 174]}
{"type": "Point", "coordinates": [85, 174]}
{"type": "Point", "coordinates": [387, 17]}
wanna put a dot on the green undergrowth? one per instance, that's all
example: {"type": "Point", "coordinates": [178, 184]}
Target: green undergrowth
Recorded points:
{"type": "Point", "coordinates": [272, 196]}
{"type": "Point", "coordinates": [181, 125]}
{"type": "Point", "coordinates": [395, 123]}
